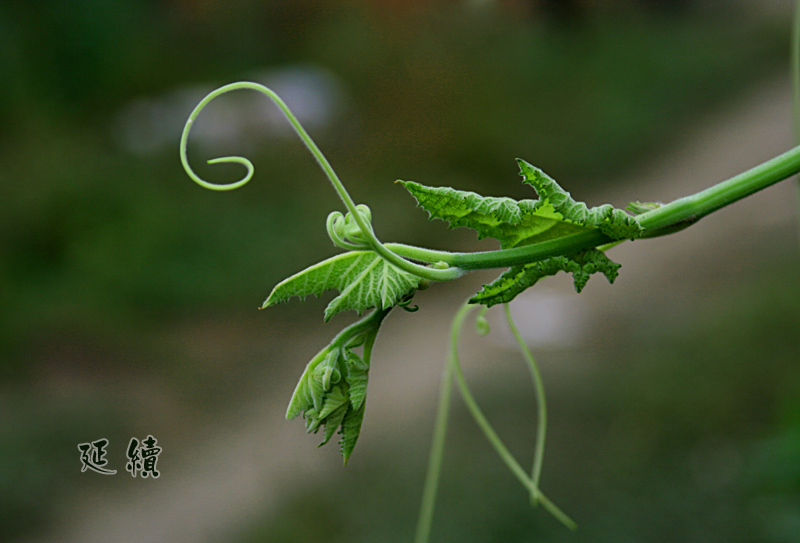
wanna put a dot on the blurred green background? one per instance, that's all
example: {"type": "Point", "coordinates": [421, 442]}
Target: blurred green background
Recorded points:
{"type": "Point", "coordinates": [128, 294]}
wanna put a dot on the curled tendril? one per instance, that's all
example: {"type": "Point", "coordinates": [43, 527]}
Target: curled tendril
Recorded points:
{"type": "Point", "coordinates": [230, 159]}
{"type": "Point", "coordinates": [358, 231]}
{"type": "Point", "coordinates": [346, 233]}
{"type": "Point", "coordinates": [406, 305]}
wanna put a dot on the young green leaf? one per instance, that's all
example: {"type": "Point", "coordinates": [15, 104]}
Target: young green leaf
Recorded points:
{"type": "Point", "coordinates": [490, 216]}
{"type": "Point", "coordinates": [555, 214]}
{"type": "Point", "coordinates": [363, 278]}
{"type": "Point", "coordinates": [333, 422]}
{"type": "Point", "coordinates": [613, 222]}
{"type": "Point", "coordinates": [510, 222]}
{"type": "Point", "coordinates": [518, 278]}
{"type": "Point", "coordinates": [351, 428]}
{"type": "Point", "coordinates": [357, 375]}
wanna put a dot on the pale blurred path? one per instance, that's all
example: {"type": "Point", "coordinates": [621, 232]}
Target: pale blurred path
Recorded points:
{"type": "Point", "coordinates": [248, 463]}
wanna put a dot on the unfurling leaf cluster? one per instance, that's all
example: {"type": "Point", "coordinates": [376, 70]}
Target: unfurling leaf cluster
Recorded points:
{"type": "Point", "coordinates": [332, 391]}
{"type": "Point", "coordinates": [331, 394]}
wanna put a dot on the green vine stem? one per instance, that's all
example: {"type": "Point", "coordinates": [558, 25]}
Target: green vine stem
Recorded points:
{"type": "Point", "coordinates": [366, 231]}
{"type": "Point", "coordinates": [661, 221]}
{"type": "Point", "coordinates": [692, 208]}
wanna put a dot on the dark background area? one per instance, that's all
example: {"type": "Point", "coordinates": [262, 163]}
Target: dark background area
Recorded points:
{"type": "Point", "coordinates": [128, 293]}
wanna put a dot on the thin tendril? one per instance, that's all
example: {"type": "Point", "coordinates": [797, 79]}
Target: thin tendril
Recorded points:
{"type": "Point", "coordinates": [434, 466]}
{"type": "Point", "coordinates": [541, 406]}
{"type": "Point", "coordinates": [439, 433]}
{"type": "Point", "coordinates": [369, 236]}
{"type": "Point", "coordinates": [495, 441]}
{"type": "Point", "coordinates": [795, 69]}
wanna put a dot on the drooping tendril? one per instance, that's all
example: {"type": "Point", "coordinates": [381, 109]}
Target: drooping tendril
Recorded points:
{"type": "Point", "coordinates": [541, 406]}
{"type": "Point", "coordinates": [364, 236]}
{"type": "Point", "coordinates": [453, 369]}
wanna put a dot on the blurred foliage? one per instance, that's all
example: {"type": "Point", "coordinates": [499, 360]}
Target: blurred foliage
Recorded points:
{"type": "Point", "coordinates": [38, 449]}
{"type": "Point", "coordinates": [104, 251]}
